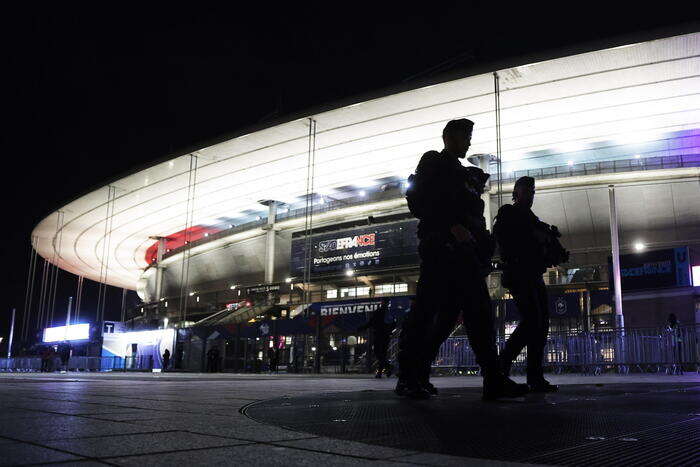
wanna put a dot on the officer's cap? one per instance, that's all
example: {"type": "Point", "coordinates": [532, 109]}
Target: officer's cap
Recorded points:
{"type": "Point", "coordinates": [527, 182]}
{"type": "Point", "coordinates": [462, 125]}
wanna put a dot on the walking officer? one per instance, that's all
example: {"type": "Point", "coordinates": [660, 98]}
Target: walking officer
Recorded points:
{"type": "Point", "coordinates": [528, 246]}
{"type": "Point", "coordinates": [455, 251]}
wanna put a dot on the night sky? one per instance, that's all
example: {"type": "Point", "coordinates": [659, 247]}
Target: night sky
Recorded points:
{"type": "Point", "coordinates": [92, 94]}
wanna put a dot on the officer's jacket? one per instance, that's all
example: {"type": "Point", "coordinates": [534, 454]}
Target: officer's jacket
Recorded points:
{"type": "Point", "coordinates": [515, 233]}
{"type": "Point", "coordinates": [447, 189]}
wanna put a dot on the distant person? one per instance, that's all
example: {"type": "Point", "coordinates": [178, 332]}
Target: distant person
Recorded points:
{"type": "Point", "coordinates": [455, 251]}
{"type": "Point", "coordinates": [380, 336]}
{"type": "Point", "coordinates": [213, 360]}
{"type": "Point", "coordinates": [166, 359]}
{"type": "Point", "coordinates": [64, 353]}
{"type": "Point", "coordinates": [674, 329]}
{"type": "Point", "coordinates": [528, 246]}
{"type": "Point", "coordinates": [45, 356]}
{"type": "Point", "coordinates": [273, 357]}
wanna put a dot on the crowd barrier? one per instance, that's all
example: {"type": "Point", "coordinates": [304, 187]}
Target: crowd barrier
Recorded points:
{"type": "Point", "coordinates": [622, 350]}
{"type": "Point", "coordinates": [36, 364]}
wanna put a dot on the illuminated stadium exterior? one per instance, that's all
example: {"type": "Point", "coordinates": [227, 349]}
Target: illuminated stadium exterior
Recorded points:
{"type": "Point", "coordinates": [230, 221]}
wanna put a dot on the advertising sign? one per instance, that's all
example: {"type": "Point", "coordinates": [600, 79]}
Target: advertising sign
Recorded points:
{"type": "Point", "coordinates": [139, 344]}
{"type": "Point", "coordinates": [654, 269]}
{"type": "Point", "coordinates": [364, 248]}
{"type": "Point", "coordinates": [74, 332]}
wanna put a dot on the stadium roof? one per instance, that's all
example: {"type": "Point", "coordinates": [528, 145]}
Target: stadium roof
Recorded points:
{"type": "Point", "coordinates": [579, 108]}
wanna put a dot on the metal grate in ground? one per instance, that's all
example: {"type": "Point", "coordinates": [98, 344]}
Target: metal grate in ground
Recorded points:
{"type": "Point", "coordinates": [617, 424]}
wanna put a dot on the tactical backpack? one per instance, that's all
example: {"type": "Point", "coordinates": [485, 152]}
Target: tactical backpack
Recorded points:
{"type": "Point", "coordinates": [413, 196]}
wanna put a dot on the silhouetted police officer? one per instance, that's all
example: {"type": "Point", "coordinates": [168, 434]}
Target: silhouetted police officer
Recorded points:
{"type": "Point", "coordinates": [381, 336]}
{"type": "Point", "coordinates": [455, 250]}
{"type": "Point", "coordinates": [528, 246]}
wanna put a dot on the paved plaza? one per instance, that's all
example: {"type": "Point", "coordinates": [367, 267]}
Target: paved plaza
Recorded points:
{"type": "Point", "coordinates": [209, 419]}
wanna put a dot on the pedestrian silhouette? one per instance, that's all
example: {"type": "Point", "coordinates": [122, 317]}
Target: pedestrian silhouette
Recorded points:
{"type": "Point", "coordinates": [455, 251]}
{"type": "Point", "coordinates": [527, 246]}
{"type": "Point", "coordinates": [380, 331]}
{"type": "Point", "coordinates": [166, 359]}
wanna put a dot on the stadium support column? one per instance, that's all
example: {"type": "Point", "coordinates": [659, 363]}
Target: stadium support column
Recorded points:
{"type": "Point", "coordinates": [159, 268]}
{"type": "Point", "coordinates": [270, 241]}
{"type": "Point", "coordinates": [615, 244]}
{"type": "Point", "coordinates": [12, 335]}
{"type": "Point", "coordinates": [620, 356]}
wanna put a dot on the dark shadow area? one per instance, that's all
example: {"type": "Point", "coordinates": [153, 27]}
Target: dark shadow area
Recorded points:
{"type": "Point", "coordinates": [640, 424]}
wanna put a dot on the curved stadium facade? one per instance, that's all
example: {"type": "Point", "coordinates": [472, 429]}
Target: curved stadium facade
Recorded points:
{"type": "Point", "coordinates": [312, 210]}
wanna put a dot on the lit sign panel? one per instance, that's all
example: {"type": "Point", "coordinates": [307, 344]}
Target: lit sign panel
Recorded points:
{"type": "Point", "coordinates": [347, 242]}
{"type": "Point", "coordinates": [372, 247]}
{"type": "Point", "coordinates": [74, 332]}
{"type": "Point", "coordinates": [654, 269]}
{"type": "Point", "coordinates": [150, 343]}
{"type": "Point", "coordinates": [696, 276]}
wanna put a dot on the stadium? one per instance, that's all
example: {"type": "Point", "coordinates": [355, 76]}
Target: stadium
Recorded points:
{"type": "Point", "coordinates": [287, 236]}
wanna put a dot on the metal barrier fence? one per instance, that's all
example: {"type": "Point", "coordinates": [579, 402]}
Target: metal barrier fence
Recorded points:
{"type": "Point", "coordinates": [36, 364]}
{"type": "Point", "coordinates": [622, 350]}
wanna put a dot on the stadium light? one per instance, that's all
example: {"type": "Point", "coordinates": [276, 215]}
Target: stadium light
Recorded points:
{"type": "Point", "coordinates": [349, 272]}
{"type": "Point", "coordinates": [639, 246]}
{"type": "Point", "coordinates": [362, 193]}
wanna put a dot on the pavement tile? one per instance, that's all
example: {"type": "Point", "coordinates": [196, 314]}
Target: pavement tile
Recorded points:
{"type": "Point", "coordinates": [132, 415]}
{"type": "Point", "coordinates": [85, 463]}
{"type": "Point", "coordinates": [140, 444]}
{"type": "Point", "coordinates": [9, 414]}
{"type": "Point", "coordinates": [427, 458]}
{"type": "Point", "coordinates": [239, 428]}
{"type": "Point", "coordinates": [23, 453]}
{"type": "Point", "coordinates": [350, 448]}
{"type": "Point", "coordinates": [69, 408]}
{"type": "Point", "coordinates": [66, 427]}
{"type": "Point", "coordinates": [256, 454]}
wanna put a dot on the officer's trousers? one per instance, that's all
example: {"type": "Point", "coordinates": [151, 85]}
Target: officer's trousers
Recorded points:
{"type": "Point", "coordinates": [450, 283]}
{"type": "Point", "coordinates": [381, 349]}
{"type": "Point", "coordinates": [530, 296]}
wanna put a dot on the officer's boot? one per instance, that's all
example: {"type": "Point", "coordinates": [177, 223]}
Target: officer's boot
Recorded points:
{"type": "Point", "coordinates": [408, 385]}
{"type": "Point", "coordinates": [388, 370]}
{"type": "Point", "coordinates": [424, 380]}
{"type": "Point", "coordinates": [497, 386]}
